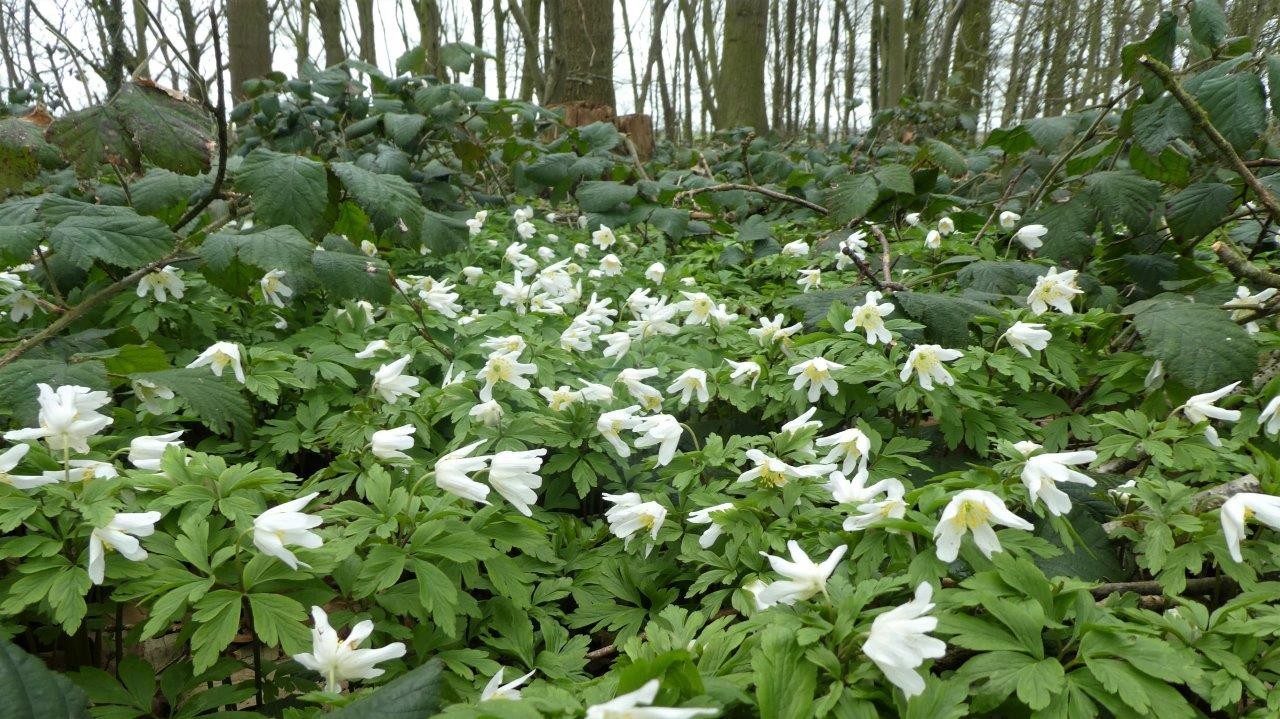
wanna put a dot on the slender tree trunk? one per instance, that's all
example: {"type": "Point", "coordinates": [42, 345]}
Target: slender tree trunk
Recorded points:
{"type": "Point", "coordinates": [1017, 69]}
{"type": "Point", "coordinates": [329, 15]}
{"type": "Point", "coordinates": [582, 40]}
{"type": "Point", "coordinates": [428, 14]}
{"type": "Point", "coordinates": [917, 41]}
{"type": "Point", "coordinates": [1055, 93]}
{"type": "Point", "coordinates": [478, 78]}
{"type": "Point", "coordinates": [248, 42]}
{"type": "Point", "coordinates": [942, 61]}
{"type": "Point", "coordinates": [700, 66]}
{"type": "Point", "coordinates": [367, 35]}
{"type": "Point", "coordinates": [7, 50]}
{"type": "Point", "coordinates": [874, 81]}
{"type": "Point", "coordinates": [971, 55]}
{"type": "Point", "coordinates": [833, 52]}
{"type": "Point", "coordinates": [893, 53]}
{"type": "Point", "coordinates": [746, 34]}
{"type": "Point", "coordinates": [775, 94]}
{"type": "Point", "coordinates": [655, 52]}
{"type": "Point", "coordinates": [303, 38]}
{"type": "Point", "coordinates": [141, 51]}
{"type": "Point", "coordinates": [111, 15]}
{"type": "Point", "coordinates": [531, 77]}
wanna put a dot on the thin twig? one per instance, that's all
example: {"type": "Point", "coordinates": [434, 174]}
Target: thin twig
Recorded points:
{"type": "Point", "coordinates": [1195, 585]}
{"type": "Point", "coordinates": [886, 259]}
{"type": "Point", "coordinates": [1088, 135]}
{"type": "Point", "coordinates": [1008, 192]}
{"type": "Point", "coordinates": [727, 186]}
{"type": "Point", "coordinates": [220, 115]}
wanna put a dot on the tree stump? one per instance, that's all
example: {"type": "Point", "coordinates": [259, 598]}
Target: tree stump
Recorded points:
{"type": "Point", "coordinates": [640, 129]}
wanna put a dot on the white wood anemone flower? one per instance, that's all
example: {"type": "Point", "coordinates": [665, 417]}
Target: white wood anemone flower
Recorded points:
{"type": "Point", "coordinates": [804, 577]}
{"type": "Point", "coordinates": [974, 510]}
{"type": "Point", "coordinates": [1239, 509]}
{"type": "Point", "coordinates": [899, 642]}
{"type": "Point", "coordinates": [635, 705]}
{"type": "Point", "coordinates": [339, 660]}
{"type": "Point", "coordinates": [121, 535]}
{"type": "Point", "coordinates": [285, 525]}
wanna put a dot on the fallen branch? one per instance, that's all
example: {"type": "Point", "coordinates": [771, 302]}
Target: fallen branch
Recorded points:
{"type": "Point", "coordinates": [1195, 585]}
{"type": "Point", "coordinates": [727, 186]}
{"type": "Point", "coordinates": [1241, 268]}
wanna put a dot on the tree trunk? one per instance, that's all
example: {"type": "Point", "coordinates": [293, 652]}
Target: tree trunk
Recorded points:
{"type": "Point", "coordinates": [367, 34]}
{"type": "Point", "coordinates": [1017, 69]}
{"type": "Point", "coordinates": [500, 47]}
{"type": "Point", "coordinates": [531, 77]}
{"type": "Point", "coordinates": [942, 61]}
{"type": "Point", "coordinates": [329, 15]}
{"type": "Point", "coordinates": [141, 52]}
{"type": "Point", "coordinates": [248, 42]}
{"type": "Point", "coordinates": [428, 12]}
{"type": "Point", "coordinates": [655, 52]}
{"type": "Point", "coordinates": [971, 55]}
{"type": "Point", "coordinates": [917, 41]}
{"type": "Point", "coordinates": [111, 15]}
{"type": "Point", "coordinates": [691, 42]}
{"type": "Point", "coordinates": [477, 39]}
{"type": "Point", "coordinates": [303, 39]}
{"type": "Point", "coordinates": [582, 38]}
{"type": "Point", "coordinates": [893, 53]}
{"type": "Point", "coordinates": [873, 56]}
{"type": "Point", "coordinates": [741, 91]}
{"type": "Point", "coordinates": [775, 94]}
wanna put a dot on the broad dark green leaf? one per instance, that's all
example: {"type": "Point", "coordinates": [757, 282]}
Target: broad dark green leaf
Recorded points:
{"type": "Point", "coordinates": [1198, 208]}
{"type": "Point", "coordinates": [410, 696]}
{"type": "Point", "coordinates": [30, 690]}
{"type": "Point", "coordinates": [286, 190]}
{"type": "Point", "coordinates": [603, 196]}
{"type": "Point", "coordinates": [1236, 107]}
{"type": "Point", "coordinates": [1199, 344]}
{"type": "Point", "coordinates": [124, 239]}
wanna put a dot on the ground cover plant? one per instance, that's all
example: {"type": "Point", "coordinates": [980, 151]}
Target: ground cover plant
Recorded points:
{"type": "Point", "coordinates": [388, 399]}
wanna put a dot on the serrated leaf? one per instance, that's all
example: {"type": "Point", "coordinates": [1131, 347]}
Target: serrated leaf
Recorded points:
{"type": "Point", "coordinates": [169, 132]}
{"type": "Point", "coordinates": [1200, 345]}
{"type": "Point", "coordinates": [895, 178]}
{"type": "Point", "coordinates": [785, 681]}
{"type": "Point", "coordinates": [391, 202]}
{"type": "Point", "coordinates": [1208, 23]}
{"type": "Point", "coordinates": [1236, 107]}
{"type": "Point", "coordinates": [1197, 209]}
{"type": "Point", "coordinates": [279, 621]}
{"type": "Point", "coordinates": [1156, 124]}
{"type": "Point", "coordinates": [124, 239]}
{"type": "Point", "coordinates": [1124, 196]}
{"type": "Point", "coordinates": [352, 276]}
{"type": "Point", "coordinates": [218, 402]}
{"type": "Point", "coordinates": [603, 196]}
{"type": "Point", "coordinates": [946, 319]}
{"type": "Point", "coordinates": [30, 690]}
{"type": "Point", "coordinates": [286, 189]}
{"type": "Point", "coordinates": [852, 198]}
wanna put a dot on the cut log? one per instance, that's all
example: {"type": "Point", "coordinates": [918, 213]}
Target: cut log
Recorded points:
{"type": "Point", "coordinates": [640, 129]}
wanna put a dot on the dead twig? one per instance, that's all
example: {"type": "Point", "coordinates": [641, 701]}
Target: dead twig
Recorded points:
{"type": "Point", "coordinates": [727, 186]}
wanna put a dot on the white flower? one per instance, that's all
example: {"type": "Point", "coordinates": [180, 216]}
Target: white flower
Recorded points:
{"type": "Point", "coordinates": [742, 371]}
{"type": "Point", "coordinates": [899, 641]}
{"type": "Point", "coordinates": [338, 660]}
{"type": "Point", "coordinates": [698, 306]}
{"type": "Point", "coordinates": [68, 418]}
{"type": "Point", "coordinates": [655, 272]}
{"type": "Point", "coordinates": [771, 330]}
{"type": "Point", "coordinates": [450, 378]}
{"type": "Point", "coordinates": [691, 381]}
{"type": "Point", "coordinates": [452, 472]}
{"type": "Point", "coordinates": [388, 443]}
{"type": "Point", "coordinates": [120, 534]}
{"type": "Point", "coordinates": [515, 293]}
{"type": "Point", "coordinates": [688, 281]}
{"type": "Point", "coordinates": [1009, 220]}
{"type": "Point", "coordinates": [1200, 408]}
{"type": "Point", "coordinates": [218, 357]}
{"type": "Point", "coordinates": [912, 218]}
{"type": "Point", "coordinates": [662, 430]}
{"type": "Point", "coordinates": [851, 447]}
{"type": "Point", "coordinates": [475, 224]}
{"type": "Point", "coordinates": [1242, 507]}
{"type": "Point", "coordinates": [526, 230]}
{"type": "Point", "coordinates": [368, 248]}
{"type": "Point", "coordinates": [630, 515]}
{"type": "Point", "coordinates": [610, 265]}
{"type": "Point", "coordinates": [713, 530]}
{"type": "Point", "coordinates": [802, 422]}
{"type": "Point", "coordinates": [816, 373]}
{"type": "Point", "coordinates": [441, 298]}
{"type": "Point", "coordinates": [505, 367]}
{"type": "Point", "coordinates": [796, 248]}
{"type": "Point", "coordinates": [471, 274]}
{"type": "Point", "coordinates": [617, 344]}
{"type": "Point", "coordinates": [1042, 473]}
{"type": "Point", "coordinates": [390, 382]}
{"type": "Point", "coordinates": [162, 283]}
{"type": "Point", "coordinates": [926, 361]}
{"type": "Point", "coordinates": [510, 691]}
{"type": "Point", "coordinates": [1246, 305]}
{"type": "Point", "coordinates": [287, 525]}
{"type": "Point", "coordinates": [773, 472]}
{"type": "Point", "coordinates": [855, 244]}
{"type": "Point", "coordinates": [151, 395]}
{"type": "Point", "coordinates": [810, 279]}
{"type": "Point", "coordinates": [633, 379]}
{"type": "Point", "coordinates": [10, 459]}
{"type": "Point", "coordinates": [611, 424]}
{"type": "Point", "coordinates": [1155, 375]}
{"type": "Point", "coordinates": [522, 214]}
{"type": "Point", "coordinates": [373, 348]}
{"type": "Point", "coordinates": [973, 510]}
{"type": "Point", "coordinates": [603, 237]}
{"type": "Point", "coordinates": [595, 392]}
{"type": "Point", "coordinates": [946, 226]}
{"type": "Point", "coordinates": [1029, 236]}
{"type": "Point", "coordinates": [581, 250]}
{"type": "Point", "coordinates": [634, 706]}
{"type": "Point", "coordinates": [933, 240]}
{"type": "Point", "coordinates": [560, 398]}
{"type": "Point", "coordinates": [146, 452]}
{"type": "Point", "coordinates": [515, 475]}
{"type": "Point", "coordinates": [487, 413]}
{"type": "Point", "coordinates": [511, 344]}
{"type": "Point", "coordinates": [81, 470]}
{"type": "Point", "coordinates": [1054, 289]}
{"type": "Point", "coordinates": [1027, 336]}
{"type": "Point", "coordinates": [1269, 418]}
{"type": "Point", "coordinates": [873, 510]}
{"type": "Point", "coordinates": [22, 304]}
{"type": "Point", "coordinates": [869, 317]}
{"type": "Point", "coordinates": [274, 290]}
{"type": "Point", "coordinates": [804, 578]}
{"type": "Point", "coordinates": [546, 254]}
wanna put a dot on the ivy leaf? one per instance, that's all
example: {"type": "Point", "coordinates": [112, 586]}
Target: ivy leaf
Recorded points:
{"type": "Point", "coordinates": [124, 239]}
{"type": "Point", "coordinates": [409, 696]}
{"type": "Point", "coordinates": [286, 189]}
{"type": "Point", "coordinates": [1199, 344]}
{"type": "Point", "coordinates": [30, 690]}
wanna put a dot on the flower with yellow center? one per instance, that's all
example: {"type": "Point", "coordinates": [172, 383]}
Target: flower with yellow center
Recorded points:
{"type": "Point", "coordinates": [973, 510]}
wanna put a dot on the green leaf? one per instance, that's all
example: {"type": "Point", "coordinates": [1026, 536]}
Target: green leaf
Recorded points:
{"type": "Point", "coordinates": [30, 690]}
{"type": "Point", "coordinates": [1070, 226]}
{"type": "Point", "coordinates": [1124, 196]}
{"type": "Point", "coordinates": [390, 201]}
{"type": "Point", "coordinates": [1040, 681]}
{"type": "Point", "coordinates": [895, 178]}
{"type": "Point", "coordinates": [1236, 107]}
{"type": "Point", "coordinates": [1273, 82]}
{"type": "Point", "coordinates": [218, 402]}
{"type": "Point", "coordinates": [603, 196]}
{"type": "Point", "coordinates": [1199, 344]}
{"type": "Point", "coordinates": [1196, 210]}
{"type": "Point", "coordinates": [286, 190]}
{"type": "Point", "coordinates": [124, 239]}
{"type": "Point", "coordinates": [1049, 132]}
{"type": "Point", "coordinates": [93, 137]}
{"type": "Point", "coordinates": [217, 619]}
{"type": "Point", "coordinates": [279, 621]}
{"type": "Point", "coordinates": [786, 682]}
{"type": "Point", "coordinates": [946, 319]}
{"type": "Point", "coordinates": [1156, 124]}
{"type": "Point", "coordinates": [23, 153]}
{"type": "Point", "coordinates": [443, 234]}
{"type": "Point", "coordinates": [1208, 23]}
{"type": "Point", "coordinates": [852, 199]}
{"type": "Point", "coordinates": [410, 696]}
{"type": "Point", "coordinates": [19, 242]}
{"type": "Point", "coordinates": [235, 261]}
{"type": "Point", "coordinates": [944, 156]}
{"type": "Point", "coordinates": [352, 276]}
{"type": "Point", "coordinates": [169, 132]}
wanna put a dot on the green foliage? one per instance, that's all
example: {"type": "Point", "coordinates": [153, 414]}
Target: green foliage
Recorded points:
{"type": "Point", "coordinates": [29, 690]}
